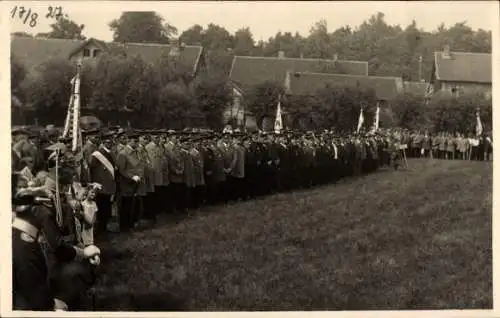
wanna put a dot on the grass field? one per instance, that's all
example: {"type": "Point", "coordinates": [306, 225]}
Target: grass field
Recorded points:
{"type": "Point", "coordinates": [413, 239]}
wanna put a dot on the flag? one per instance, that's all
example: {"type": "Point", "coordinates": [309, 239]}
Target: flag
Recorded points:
{"type": "Point", "coordinates": [278, 124]}
{"type": "Point", "coordinates": [360, 120]}
{"type": "Point", "coordinates": [429, 91]}
{"type": "Point", "coordinates": [377, 119]}
{"type": "Point", "coordinates": [479, 125]}
{"type": "Point", "coordinates": [26, 174]}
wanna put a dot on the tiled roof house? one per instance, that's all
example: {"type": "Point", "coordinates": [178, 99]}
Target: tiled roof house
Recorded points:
{"type": "Point", "coordinates": [34, 51]}
{"type": "Point", "coordinates": [305, 83]}
{"type": "Point", "coordinates": [248, 71]}
{"type": "Point", "coordinates": [461, 72]}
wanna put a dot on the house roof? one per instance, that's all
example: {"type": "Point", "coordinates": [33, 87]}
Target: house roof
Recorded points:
{"type": "Point", "coordinates": [463, 67]}
{"type": "Point", "coordinates": [248, 71]}
{"type": "Point", "coordinates": [386, 88]}
{"type": "Point", "coordinates": [416, 88]}
{"type": "Point", "coordinates": [33, 51]}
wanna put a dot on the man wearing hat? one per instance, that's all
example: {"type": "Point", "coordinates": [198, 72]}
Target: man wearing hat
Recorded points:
{"type": "Point", "coordinates": [30, 284]}
{"type": "Point", "coordinates": [130, 175]}
{"type": "Point", "coordinates": [23, 147]}
{"type": "Point", "coordinates": [69, 277]}
{"type": "Point", "coordinates": [102, 170]}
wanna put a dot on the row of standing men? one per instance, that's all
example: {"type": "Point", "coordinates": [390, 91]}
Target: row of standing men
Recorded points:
{"type": "Point", "coordinates": [147, 173]}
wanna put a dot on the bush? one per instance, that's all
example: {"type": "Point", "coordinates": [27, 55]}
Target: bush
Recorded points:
{"type": "Point", "coordinates": [338, 108]}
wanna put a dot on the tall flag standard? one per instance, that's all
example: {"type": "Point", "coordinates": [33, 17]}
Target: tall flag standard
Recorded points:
{"type": "Point", "coordinates": [479, 125]}
{"type": "Point", "coordinates": [72, 123]}
{"type": "Point", "coordinates": [361, 120]}
{"type": "Point", "coordinates": [377, 118]}
{"type": "Point", "coordinates": [278, 123]}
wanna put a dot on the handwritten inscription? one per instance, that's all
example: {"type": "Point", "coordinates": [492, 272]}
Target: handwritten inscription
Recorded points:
{"type": "Point", "coordinates": [27, 15]}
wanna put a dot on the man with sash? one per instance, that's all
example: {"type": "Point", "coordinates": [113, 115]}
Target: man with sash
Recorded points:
{"type": "Point", "coordinates": [102, 170]}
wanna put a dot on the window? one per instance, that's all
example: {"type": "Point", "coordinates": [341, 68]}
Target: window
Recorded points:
{"type": "Point", "coordinates": [86, 52]}
{"type": "Point", "coordinates": [96, 52]}
{"type": "Point", "coordinates": [456, 90]}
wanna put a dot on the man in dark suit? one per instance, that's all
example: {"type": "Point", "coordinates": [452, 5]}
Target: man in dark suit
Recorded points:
{"type": "Point", "coordinates": [102, 169]}
{"type": "Point", "coordinates": [130, 176]}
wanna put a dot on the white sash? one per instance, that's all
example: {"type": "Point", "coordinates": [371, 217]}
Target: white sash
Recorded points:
{"type": "Point", "coordinates": [99, 156]}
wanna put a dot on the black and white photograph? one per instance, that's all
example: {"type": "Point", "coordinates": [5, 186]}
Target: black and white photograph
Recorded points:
{"type": "Point", "coordinates": [199, 156]}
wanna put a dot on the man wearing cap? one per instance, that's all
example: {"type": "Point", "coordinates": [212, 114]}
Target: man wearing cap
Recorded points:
{"type": "Point", "coordinates": [130, 176]}
{"type": "Point", "coordinates": [91, 145]}
{"type": "Point", "coordinates": [30, 275]}
{"type": "Point", "coordinates": [147, 188]}
{"type": "Point", "coordinates": [156, 157]}
{"type": "Point", "coordinates": [102, 170]}
{"type": "Point", "coordinates": [69, 277]}
{"type": "Point", "coordinates": [176, 175]}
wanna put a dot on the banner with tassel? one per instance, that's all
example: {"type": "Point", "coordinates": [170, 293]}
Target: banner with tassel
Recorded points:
{"type": "Point", "coordinates": [278, 123]}
{"type": "Point", "coordinates": [376, 122]}
{"type": "Point", "coordinates": [479, 125]}
{"type": "Point", "coordinates": [361, 120]}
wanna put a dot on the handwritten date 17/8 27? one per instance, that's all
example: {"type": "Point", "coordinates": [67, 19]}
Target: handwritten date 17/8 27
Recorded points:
{"type": "Point", "coordinates": [26, 15]}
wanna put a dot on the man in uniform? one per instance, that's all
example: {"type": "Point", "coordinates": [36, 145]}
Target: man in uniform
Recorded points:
{"type": "Point", "coordinates": [130, 176]}
{"type": "Point", "coordinates": [103, 170]}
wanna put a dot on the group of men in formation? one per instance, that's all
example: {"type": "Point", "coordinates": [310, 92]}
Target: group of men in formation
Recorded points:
{"type": "Point", "coordinates": [141, 174]}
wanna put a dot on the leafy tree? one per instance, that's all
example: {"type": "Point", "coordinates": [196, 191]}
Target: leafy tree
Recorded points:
{"type": "Point", "coordinates": [17, 74]}
{"type": "Point", "coordinates": [141, 27]}
{"type": "Point", "coordinates": [66, 29]}
{"type": "Point", "coordinates": [178, 108]}
{"type": "Point", "coordinates": [216, 37]}
{"type": "Point", "coordinates": [263, 100]}
{"type": "Point", "coordinates": [193, 35]}
{"type": "Point", "coordinates": [212, 95]}
{"type": "Point", "coordinates": [409, 111]}
{"type": "Point", "coordinates": [49, 88]}
{"type": "Point", "coordinates": [318, 43]}
{"type": "Point", "coordinates": [113, 74]}
{"type": "Point", "coordinates": [447, 113]}
{"type": "Point", "coordinates": [243, 42]}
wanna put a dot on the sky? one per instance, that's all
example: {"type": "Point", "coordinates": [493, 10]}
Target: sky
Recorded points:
{"type": "Point", "coordinates": [265, 19]}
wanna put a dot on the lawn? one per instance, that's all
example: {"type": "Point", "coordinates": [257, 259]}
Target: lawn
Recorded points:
{"type": "Point", "coordinates": [419, 238]}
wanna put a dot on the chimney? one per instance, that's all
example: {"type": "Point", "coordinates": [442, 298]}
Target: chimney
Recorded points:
{"type": "Point", "coordinates": [281, 54]}
{"type": "Point", "coordinates": [446, 52]}
{"type": "Point", "coordinates": [335, 57]}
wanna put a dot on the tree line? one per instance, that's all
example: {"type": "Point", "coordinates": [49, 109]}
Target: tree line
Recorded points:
{"type": "Point", "coordinates": [166, 95]}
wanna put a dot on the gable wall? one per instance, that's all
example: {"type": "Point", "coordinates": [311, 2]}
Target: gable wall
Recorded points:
{"type": "Point", "coordinates": [466, 88]}
{"type": "Point", "coordinates": [80, 54]}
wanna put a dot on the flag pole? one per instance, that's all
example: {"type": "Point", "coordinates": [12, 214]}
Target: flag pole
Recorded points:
{"type": "Point", "coordinates": [361, 118]}
{"type": "Point", "coordinates": [278, 123]}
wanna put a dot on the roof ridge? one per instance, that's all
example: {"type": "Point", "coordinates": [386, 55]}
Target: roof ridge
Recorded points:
{"type": "Point", "coordinates": [47, 39]}
{"type": "Point", "coordinates": [151, 44]}
{"type": "Point", "coordinates": [459, 52]}
{"type": "Point", "coordinates": [297, 58]}
{"type": "Point", "coordinates": [96, 39]}
{"type": "Point", "coordinates": [349, 75]}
